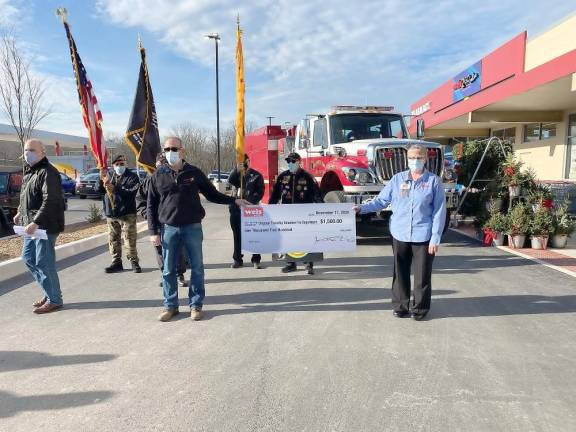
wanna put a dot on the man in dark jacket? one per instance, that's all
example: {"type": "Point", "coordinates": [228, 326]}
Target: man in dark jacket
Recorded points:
{"type": "Point", "coordinates": [142, 210]}
{"type": "Point", "coordinates": [252, 187]}
{"type": "Point", "coordinates": [41, 207]}
{"type": "Point", "coordinates": [174, 209]}
{"type": "Point", "coordinates": [295, 186]}
{"type": "Point", "coordinates": [120, 210]}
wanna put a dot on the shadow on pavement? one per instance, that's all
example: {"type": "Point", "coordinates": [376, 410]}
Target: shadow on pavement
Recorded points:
{"type": "Point", "coordinates": [26, 278]}
{"type": "Point", "coordinates": [11, 404]}
{"type": "Point", "coordinates": [310, 299]}
{"type": "Point", "coordinates": [20, 360]}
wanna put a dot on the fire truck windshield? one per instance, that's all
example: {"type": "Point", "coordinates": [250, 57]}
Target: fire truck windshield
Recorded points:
{"type": "Point", "coordinates": [358, 126]}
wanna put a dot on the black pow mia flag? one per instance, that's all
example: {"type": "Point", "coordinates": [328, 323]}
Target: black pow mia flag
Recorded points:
{"type": "Point", "coordinates": [142, 134]}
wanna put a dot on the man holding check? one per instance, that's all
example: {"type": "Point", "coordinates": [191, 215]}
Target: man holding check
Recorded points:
{"type": "Point", "coordinates": [175, 212]}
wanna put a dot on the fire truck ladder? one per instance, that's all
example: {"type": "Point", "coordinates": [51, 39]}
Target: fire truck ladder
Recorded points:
{"type": "Point", "coordinates": [489, 142]}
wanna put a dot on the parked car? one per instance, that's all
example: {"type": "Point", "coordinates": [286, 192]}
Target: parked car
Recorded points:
{"type": "Point", "coordinates": [10, 184]}
{"type": "Point", "coordinates": [68, 184]}
{"type": "Point", "coordinates": [88, 185]}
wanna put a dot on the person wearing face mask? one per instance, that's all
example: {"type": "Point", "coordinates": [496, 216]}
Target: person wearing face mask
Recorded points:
{"type": "Point", "coordinates": [41, 207]}
{"type": "Point", "coordinates": [252, 187]}
{"type": "Point", "coordinates": [295, 186]}
{"type": "Point", "coordinates": [174, 214]}
{"type": "Point", "coordinates": [142, 210]}
{"type": "Point", "coordinates": [119, 194]}
{"type": "Point", "coordinates": [416, 225]}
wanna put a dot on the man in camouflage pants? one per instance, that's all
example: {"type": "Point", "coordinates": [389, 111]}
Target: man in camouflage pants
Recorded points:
{"type": "Point", "coordinates": [120, 209]}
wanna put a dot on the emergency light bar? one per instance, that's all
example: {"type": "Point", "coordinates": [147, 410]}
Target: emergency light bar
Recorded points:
{"type": "Point", "coordinates": [367, 108]}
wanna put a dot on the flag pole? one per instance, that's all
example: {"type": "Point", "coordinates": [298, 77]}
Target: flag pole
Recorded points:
{"type": "Point", "coordinates": [240, 90]}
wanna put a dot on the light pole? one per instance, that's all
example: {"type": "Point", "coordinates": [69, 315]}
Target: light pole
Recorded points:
{"type": "Point", "coordinates": [216, 38]}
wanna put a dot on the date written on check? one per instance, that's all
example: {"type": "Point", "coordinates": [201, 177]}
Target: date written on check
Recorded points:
{"type": "Point", "coordinates": [298, 227]}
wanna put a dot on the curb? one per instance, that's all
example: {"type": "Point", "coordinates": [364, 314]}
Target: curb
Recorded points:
{"type": "Point", "coordinates": [15, 267]}
{"type": "Point", "coordinates": [522, 255]}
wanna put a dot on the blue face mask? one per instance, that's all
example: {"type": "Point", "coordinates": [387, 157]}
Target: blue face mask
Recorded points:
{"type": "Point", "coordinates": [416, 165]}
{"type": "Point", "coordinates": [172, 157]}
{"type": "Point", "coordinates": [119, 169]}
{"type": "Point", "coordinates": [30, 157]}
{"type": "Point", "coordinates": [293, 166]}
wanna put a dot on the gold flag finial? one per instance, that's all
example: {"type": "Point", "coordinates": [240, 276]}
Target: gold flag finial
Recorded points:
{"type": "Point", "coordinates": [140, 45]}
{"type": "Point", "coordinates": [62, 13]}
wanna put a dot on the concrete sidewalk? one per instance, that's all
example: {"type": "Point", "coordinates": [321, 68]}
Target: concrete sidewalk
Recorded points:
{"type": "Point", "coordinates": [293, 352]}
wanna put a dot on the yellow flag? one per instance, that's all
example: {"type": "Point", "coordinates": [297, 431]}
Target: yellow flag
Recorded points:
{"type": "Point", "coordinates": [239, 96]}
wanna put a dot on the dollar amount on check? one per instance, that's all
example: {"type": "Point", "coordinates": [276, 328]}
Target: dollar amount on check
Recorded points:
{"type": "Point", "coordinates": [298, 228]}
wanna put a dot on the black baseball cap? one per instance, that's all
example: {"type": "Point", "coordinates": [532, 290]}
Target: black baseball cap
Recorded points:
{"type": "Point", "coordinates": [294, 156]}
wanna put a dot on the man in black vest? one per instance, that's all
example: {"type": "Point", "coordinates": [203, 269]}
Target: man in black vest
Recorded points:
{"type": "Point", "coordinates": [252, 187]}
{"type": "Point", "coordinates": [295, 186]}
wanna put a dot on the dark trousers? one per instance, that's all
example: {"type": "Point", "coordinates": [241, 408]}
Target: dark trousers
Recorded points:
{"type": "Point", "coordinates": [237, 232]}
{"type": "Point", "coordinates": [406, 254]}
{"type": "Point", "coordinates": [182, 260]}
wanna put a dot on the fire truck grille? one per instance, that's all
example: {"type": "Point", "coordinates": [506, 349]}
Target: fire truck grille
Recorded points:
{"type": "Point", "coordinates": [392, 160]}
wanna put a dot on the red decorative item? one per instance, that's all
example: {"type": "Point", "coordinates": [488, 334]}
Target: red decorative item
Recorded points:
{"type": "Point", "coordinates": [489, 237]}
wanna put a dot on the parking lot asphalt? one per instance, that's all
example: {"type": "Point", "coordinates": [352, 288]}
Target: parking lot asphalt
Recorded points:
{"type": "Point", "coordinates": [294, 352]}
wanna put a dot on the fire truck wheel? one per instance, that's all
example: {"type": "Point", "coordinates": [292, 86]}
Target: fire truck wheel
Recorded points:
{"type": "Point", "coordinates": [335, 197]}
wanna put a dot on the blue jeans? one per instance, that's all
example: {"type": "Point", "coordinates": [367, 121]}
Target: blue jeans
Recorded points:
{"type": "Point", "coordinates": [173, 238]}
{"type": "Point", "coordinates": [40, 258]}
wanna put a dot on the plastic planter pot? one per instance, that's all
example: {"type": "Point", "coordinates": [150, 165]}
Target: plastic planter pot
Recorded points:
{"type": "Point", "coordinates": [516, 241]}
{"type": "Point", "coordinates": [498, 239]}
{"type": "Point", "coordinates": [559, 241]}
{"type": "Point", "coordinates": [514, 191]}
{"type": "Point", "coordinates": [539, 242]}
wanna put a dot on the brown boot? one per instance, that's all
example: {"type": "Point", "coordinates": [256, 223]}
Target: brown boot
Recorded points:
{"type": "Point", "coordinates": [47, 308]}
{"type": "Point", "coordinates": [196, 313]}
{"type": "Point", "coordinates": [168, 314]}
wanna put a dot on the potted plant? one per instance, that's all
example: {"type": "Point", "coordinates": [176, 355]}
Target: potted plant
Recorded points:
{"type": "Point", "coordinates": [563, 226]}
{"type": "Point", "coordinates": [540, 228]}
{"type": "Point", "coordinates": [497, 225]}
{"type": "Point", "coordinates": [540, 196]}
{"type": "Point", "coordinates": [518, 225]}
{"type": "Point", "coordinates": [512, 176]}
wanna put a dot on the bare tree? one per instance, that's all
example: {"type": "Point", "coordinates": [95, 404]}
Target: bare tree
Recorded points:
{"type": "Point", "coordinates": [116, 146]}
{"type": "Point", "coordinates": [21, 93]}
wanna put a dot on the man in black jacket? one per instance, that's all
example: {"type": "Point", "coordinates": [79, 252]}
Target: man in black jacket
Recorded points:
{"type": "Point", "coordinates": [41, 207]}
{"type": "Point", "coordinates": [174, 209]}
{"type": "Point", "coordinates": [120, 210]}
{"type": "Point", "coordinates": [252, 187]}
{"type": "Point", "coordinates": [142, 210]}
{"type": "Point", "coordinates": [295, 186]}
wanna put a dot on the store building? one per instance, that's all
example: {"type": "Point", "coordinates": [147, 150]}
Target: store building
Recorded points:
{"type": "Point", "coordinates": [523, 92]}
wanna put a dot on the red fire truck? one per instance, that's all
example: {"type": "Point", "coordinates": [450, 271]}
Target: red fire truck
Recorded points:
{"type": "Point", "coordinates": [352, 151]}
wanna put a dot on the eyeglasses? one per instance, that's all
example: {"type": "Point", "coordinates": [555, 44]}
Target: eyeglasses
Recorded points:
{"type": "Point", "coordinates": [171, 149]}
{"type": "Point", "coordinates": [292, 160]}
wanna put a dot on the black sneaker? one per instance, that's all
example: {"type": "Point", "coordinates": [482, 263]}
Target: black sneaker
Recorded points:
{"type": "Point", "coordinates": [115, 267]}
{"type": "Point", "coordinates": [161, 284]}
{"type": "Point", "coordinates": [401, 314]}
{"type": "Point", "coordinates": [418, 316]}
{"type": "Point", "coordinates": [290, 267]}
{"type": "Point", "coordinates": [136, 267]}
{"type": "Point", "coordinates": [257, 265]}
{"type": "Point", "coordinates": [237, 264]}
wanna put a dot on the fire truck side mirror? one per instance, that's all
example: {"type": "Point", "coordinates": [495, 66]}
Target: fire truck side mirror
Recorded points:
{"type": "Point", "coordinates": [420, 128]}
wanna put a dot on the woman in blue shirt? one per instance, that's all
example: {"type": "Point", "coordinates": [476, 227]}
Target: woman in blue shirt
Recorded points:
{"type": "Point", "coordinates": [416, 224]}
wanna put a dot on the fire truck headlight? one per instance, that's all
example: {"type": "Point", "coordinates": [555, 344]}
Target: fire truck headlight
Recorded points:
{"type": "Point", "coordinates": [364, 177]}
{"type": "Point", "coordinates": [351, 174]}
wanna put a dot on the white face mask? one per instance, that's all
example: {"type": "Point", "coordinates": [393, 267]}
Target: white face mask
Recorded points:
{"type": "Point", "coordinates": [119, 169]}
{"type": "Point", "coordinates": [30, 157]}
{"type": "Point", "coordinates": [173, 158]}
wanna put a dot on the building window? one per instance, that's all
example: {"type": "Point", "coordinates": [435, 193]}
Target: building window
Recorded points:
{"type": "Point", "coordinates": [539, 131]}
{"type": "Point", "coordinates": [506, 135]}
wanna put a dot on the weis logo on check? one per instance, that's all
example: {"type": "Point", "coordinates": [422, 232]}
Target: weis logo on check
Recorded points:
{"type": "Point", "coordinates": [253, 211]}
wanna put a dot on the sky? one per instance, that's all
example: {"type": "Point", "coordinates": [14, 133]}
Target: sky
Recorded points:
{"type": "Point", "coordinates": [301, 56]}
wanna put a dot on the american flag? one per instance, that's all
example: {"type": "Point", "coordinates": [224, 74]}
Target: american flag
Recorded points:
{"type": "Point", "coordinates": [90, 111]}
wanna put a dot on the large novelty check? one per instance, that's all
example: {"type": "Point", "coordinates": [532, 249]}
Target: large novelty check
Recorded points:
{"type": "Point", "coordinates": [298, 227]}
